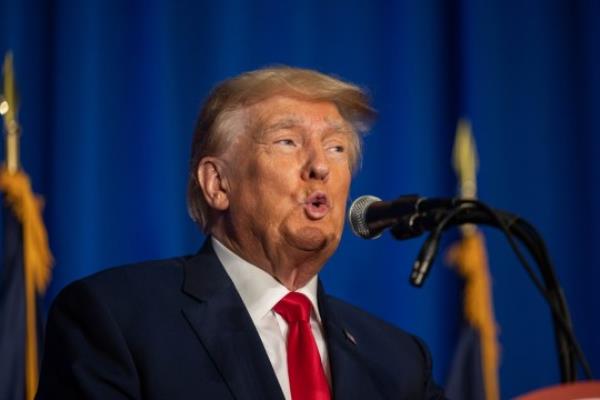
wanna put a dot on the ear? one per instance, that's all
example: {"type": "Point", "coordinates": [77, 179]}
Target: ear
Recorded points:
{"type": "Point", "coordinates": [210, 174]}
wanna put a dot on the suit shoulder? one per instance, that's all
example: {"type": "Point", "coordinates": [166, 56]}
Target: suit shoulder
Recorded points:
{"type": "Point", "coordinates": [124, 295]}
{"type": "Point", "coordinates": [142, 271]}
{"type": "Point", "coordinates": [128, 281]}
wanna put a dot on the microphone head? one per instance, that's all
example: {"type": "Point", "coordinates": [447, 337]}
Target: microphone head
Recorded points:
{"type": "Point", "coordinates": [357, 216]}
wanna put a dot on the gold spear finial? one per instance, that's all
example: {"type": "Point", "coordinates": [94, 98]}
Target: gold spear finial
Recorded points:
{"type": "Point", "coordinates": [465, 160]}
{"type": "Point", "coordinates": [9, 106]}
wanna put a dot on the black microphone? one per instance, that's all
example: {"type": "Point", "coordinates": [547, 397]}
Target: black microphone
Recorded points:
{"type": "Point", "coordinates": [424, 260]}
{"type": "Point", "coordinates": [369, 216]}
{"type": "Point", "coordinates": [410, 216]}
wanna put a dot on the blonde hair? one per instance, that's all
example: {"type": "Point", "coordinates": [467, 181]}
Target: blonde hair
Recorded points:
{"type": "Point", "coordinates": [218, 123]}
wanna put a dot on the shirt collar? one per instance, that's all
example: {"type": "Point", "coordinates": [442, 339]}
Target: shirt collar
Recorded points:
{"type": "Point", "coordinates": [257, 288]}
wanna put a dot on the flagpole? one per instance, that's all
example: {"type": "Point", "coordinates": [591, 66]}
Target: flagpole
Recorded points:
{"type": "Point", "coordinates": [8, 110]}
{"type": "Point", "coordinates": [469, 257]}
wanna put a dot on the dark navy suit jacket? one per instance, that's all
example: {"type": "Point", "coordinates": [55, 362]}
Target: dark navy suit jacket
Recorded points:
{"type": "Point", "coordinates": [177, 329]}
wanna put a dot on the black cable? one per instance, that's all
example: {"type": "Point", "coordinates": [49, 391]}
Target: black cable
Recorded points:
{"type": "Point", "coordinates": [529, 236]}
{"type": "Point", "coordinates": [557, 304]}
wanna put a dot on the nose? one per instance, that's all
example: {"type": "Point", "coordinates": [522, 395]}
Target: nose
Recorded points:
{"type": "Point", "coordinates": [317, 164]}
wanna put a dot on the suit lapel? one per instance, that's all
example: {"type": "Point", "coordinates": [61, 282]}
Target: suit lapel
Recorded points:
{"type": "Point", "coordinates": [223, 325]}
{"type": "Point", "coordinates": [351, 378]}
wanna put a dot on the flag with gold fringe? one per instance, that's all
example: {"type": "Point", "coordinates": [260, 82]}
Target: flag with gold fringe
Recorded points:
{"type": "Point", "coordinates": [474, 369]}
{"type": "Point", "coordinates": [25, 272]}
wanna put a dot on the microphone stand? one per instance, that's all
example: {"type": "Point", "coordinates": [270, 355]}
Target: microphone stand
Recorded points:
{"type": "Point", "coordinates": [469, 211]}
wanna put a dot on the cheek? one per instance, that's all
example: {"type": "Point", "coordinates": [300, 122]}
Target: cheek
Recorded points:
{"type": "Point", "coordinates": [279, 173]}
{"type": "Point", "coordinates": [340, 192]}
{"type": "Point", "coordinates": [342, 179]}
{"type": "Point", "coordinates": [272, 184]}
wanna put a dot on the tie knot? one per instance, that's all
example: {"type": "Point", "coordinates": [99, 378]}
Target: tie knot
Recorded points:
{"type": "Point", "coordinates": [294, 307]}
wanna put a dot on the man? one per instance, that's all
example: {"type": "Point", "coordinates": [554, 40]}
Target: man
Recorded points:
{"type": "Point", "coordinates": [245, 318]}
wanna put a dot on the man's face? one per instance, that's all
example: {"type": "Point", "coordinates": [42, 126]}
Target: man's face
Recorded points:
{"type": "Point", "coordinates": [289, 175]}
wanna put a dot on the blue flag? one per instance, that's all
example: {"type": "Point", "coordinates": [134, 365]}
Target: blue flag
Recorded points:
{"type": "Point", "coordinates": [12, 310]}
{"type": "Point", "coordinates": [465, 380]}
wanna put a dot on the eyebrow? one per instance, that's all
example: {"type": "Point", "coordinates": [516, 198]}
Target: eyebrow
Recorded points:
{"type": "Point", "coordinates": [293, 121]}
{"type": "Point", "coordinates": [285, 123]}
{"type": "Point", "coordinates": [340, 127]}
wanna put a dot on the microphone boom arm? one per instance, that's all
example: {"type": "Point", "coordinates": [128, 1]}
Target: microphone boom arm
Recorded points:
{"type": "Point", "coordinates": [468, 211]}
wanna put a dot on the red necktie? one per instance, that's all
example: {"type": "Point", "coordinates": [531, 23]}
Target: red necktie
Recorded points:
{"type": "Point", "coordinates": [307, 378]}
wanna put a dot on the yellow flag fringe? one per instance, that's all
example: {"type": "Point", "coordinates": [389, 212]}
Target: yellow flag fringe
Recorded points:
{"type": "Point", "coordinates": [470, 260]}
{"type": "Point", "coordinates": [37, 261]}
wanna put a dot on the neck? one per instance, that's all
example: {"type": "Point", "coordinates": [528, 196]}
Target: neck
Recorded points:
{"type": "Point", "coordinates": [291, 267]}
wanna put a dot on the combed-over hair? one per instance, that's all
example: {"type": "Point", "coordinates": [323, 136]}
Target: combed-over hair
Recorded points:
{"type": "Point", "coordinates": [218, 121]}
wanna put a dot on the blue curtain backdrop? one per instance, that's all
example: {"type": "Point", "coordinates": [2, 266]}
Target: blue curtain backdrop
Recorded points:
{"type": "Point", "coordinates": [110, 91]}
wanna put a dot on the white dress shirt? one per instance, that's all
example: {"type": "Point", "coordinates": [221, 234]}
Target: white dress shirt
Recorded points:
{"type": "Point", "coordinates": [260, 292]}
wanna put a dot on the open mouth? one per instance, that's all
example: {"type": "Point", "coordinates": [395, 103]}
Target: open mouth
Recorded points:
{"type": "Point", "coordinates": [316, 205]}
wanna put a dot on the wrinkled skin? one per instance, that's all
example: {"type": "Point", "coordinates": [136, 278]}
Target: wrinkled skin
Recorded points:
{"type": "Point", "coordinates": [280, 191]}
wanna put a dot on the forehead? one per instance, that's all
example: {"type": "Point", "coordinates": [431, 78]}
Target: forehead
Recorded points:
{"type": "Point", "coordinates": [285, 112]}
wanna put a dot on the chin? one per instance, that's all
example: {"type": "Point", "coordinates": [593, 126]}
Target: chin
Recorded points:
{"type": "Point", "coordinates": [310, 239]}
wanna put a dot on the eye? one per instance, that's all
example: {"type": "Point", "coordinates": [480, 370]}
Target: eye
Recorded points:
{"type": "Point", "coordinates": [336, 148]}
{"type": "Point", "coordinates": [286, 142]}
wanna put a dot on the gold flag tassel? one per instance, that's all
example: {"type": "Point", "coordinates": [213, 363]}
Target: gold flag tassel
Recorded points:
{"type": "Point", "coordinates": [470, 260]}
{"type": "Point", "coordinates": [27, 208]}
